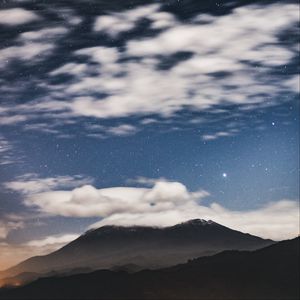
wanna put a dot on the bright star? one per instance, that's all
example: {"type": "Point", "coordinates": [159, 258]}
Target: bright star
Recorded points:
{"type": "Point", "coordinates": [224, 175]}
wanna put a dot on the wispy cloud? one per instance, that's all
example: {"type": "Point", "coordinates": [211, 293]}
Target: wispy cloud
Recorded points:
{"type": "Point", "coordinates": [146, 181]}
{"type": "Point", "coordinates": [53, 241]}
{"type": "Point", "coordinates": [123, 130]}
{"type": "Point", "coordinates": [32, 46]}
{"type": "Point", "coordinates": [102, 132]}
{"type": "Point", "coordinates": [26, 53]}
{"type": "Point", "coordinates": [17, 16]}
{"type": "Point", "coordinates": [228, 60]}
{"type": "Point", "coordinates": [116, 23]}
{"type": "Point", "coordinates": [4, 145]}
{"type": "Point", "coordinates": [9, 223]}
{"type": "Point", "coordinates": [31, 183]}
{"type": "Point", "coordinates": [216, 135]}
{"type": "Point", "coordinates": [7, 152]}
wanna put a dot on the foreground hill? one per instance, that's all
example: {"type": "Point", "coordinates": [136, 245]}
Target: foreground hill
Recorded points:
{"type": "Point", "coordinates": [112, 247]}
{"type": "Point", "coordinates": [268, 273]}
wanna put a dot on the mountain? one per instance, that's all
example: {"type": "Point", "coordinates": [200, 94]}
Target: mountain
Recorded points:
{"type": "Point", "coordinates": [268, 273]}
{"type": "Point", "coordinates": [141, 247]}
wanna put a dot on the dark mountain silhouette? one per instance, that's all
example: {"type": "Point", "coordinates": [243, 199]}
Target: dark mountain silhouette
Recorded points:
{"type": "Point", "coordinates": [268, 273]}
{"type": "Point", "coordinates": [137, 247]}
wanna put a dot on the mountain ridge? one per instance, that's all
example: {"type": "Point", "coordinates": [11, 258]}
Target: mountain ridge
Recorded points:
{"type": "Point", "coordinates": [268, 273]}
{"type": "Point", "coordinates": [148, 247]}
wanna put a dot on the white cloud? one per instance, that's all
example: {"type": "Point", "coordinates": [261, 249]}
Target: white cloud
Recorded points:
{"type": "Point", "coordinates": [246, 33]}
{"type": "Point", "coordinates": [87, 201]}
{"type": "Point", "coordinates": [129, 86]}
{"type": "Point", "coordinates": [214, 136]}
{"type": "Point", "coordinates": [224, 44]}
{"type": "Point", "coordinates": [294, 83]}
{"type": "Point", "coordinates": [32, 183]}
{"type": "Point", "coordinates": [66, 15]}
{"type": "Point", "coordinates": [56, 240]}
{"type": "Point", "coordinates": [102, 132]}
{"type": "Point", "coordinates": [4, 145]}
{"type": "Point", "coordinates": [166, 203]}
{"type": "Point", "coordinates": [278, 221]}
{"type": "Point", "coordinates": [6, 152]}
{"type": "Point", "coordinates": [25, 52]}
{"type": "Point", "coordinates": [120, 22]}
{"type": "Point", "coordinates": [148, 121]}
{"type": "Point", "coordinates": [16, 16]}
{"type": "Point", "coordinates": [100, 54]}
{"type": "Point", "coordinates": [71, 68]}
{"type": "Point", "coordinates": [112, 24]}
{"type": "Point", "coordinates": [7, 224]}
{"type": "Point", "coordinates": [33, 46]}
{"type": "Point", "coordinates": [43, 34]}
{"type": "Point", "coordinates": [122, 130]}
{"type": "Point", "coordinates": [41, 127]}
{"type": "Point", "coordinates": [146, 181]}
{"type": "Point", "coordinates": [9, 120]}
{"type": "Point", "coordinates": [162, 20]}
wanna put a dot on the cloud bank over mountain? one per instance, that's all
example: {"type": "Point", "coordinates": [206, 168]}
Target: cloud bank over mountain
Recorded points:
{"type": "Point", "coordinates": [165, 203]}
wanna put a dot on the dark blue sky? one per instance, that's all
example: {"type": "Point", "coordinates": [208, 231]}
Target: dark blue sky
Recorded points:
{"type": "Point", "coordinates": [141, 94]}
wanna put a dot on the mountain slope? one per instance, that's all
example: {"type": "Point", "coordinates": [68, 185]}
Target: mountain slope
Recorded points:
{"type": "Point", "coordinates": [268, 273]}
{"type": "Point", "coordinates": [147, 247]}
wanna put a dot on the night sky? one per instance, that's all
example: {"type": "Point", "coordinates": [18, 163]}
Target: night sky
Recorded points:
{"type": "Point", "coordinates": [146, 113]}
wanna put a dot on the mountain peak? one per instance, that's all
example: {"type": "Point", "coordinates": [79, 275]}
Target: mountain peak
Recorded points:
{"type": "Point", "coordinates": [132, 228]}
{"type": "Point", "coordinates": [192, 222]}
{"type": "Point", "coordinates": [197, 222]}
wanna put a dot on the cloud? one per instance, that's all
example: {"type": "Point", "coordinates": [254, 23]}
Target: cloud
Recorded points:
{"type": "Point", "coordinates": [16, 16]}
{"type": "Point", "coordinates": [4, 145]}
{"type": "Point", "coordinates": [71, 68]}
{"type": "Point", "coordinates": [7, 152]}
{"type": "Point", "coordinates": [100, 54]}
{"type": "Point", "coordinates": [43, 34]}
{"type": "Point", "coordinates": [27, 52]}
{"type": "Point", "coordinates": [32, 183]}
{"type": "Point", "coordinates": [197, 65]}
{"type": "Point", "coordinates": [41, 127]}
{"type": "Point", "coordinates": [8, 224]}
{"type": "Point", "coordinates": [102, 132]}
{"type": "Point", "coordinates": [214, 136]}
{"type": "Point", "coordinates": [243, 45]}
{"type": "Point", "coordinates": [166, 203]}
{"type": "Point", "coordinates": [32, 46]}
{"type": "Point", "coordinates": [246, 33]}
{"type": "Point", "coordinates": [122, 130]}
{"type": "Point", "coordinates": [117, 23]}
{"type": "Point", "coordinates": [87, 201]}
{"type": "Point", "coordinates": [146, 181]}
{"type": "Point", "coordinates": [278, 220]}
{"type": "Point", "coordinates": [53, 241]}
{"type": "Point", "coordinates": [10, 254]}
{"type": "Point", "coordinates": [162, 20]}
{"type": "Point", "coordinates": [148, 121]}
{"type": "Point", "coordinates": [8, 120]}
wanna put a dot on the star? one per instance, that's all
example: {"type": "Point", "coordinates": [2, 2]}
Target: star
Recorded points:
{"type": "Point", "coordinates": [224, 175]}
